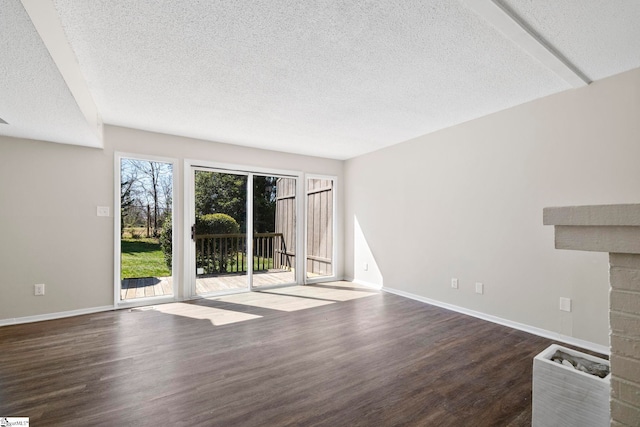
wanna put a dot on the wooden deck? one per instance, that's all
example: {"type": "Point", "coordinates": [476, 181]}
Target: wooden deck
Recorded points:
{"type": "Point", "coordinates": [163, 286]}
{"type": "Point", "coordinates": [212, 284]}
{"type": "Point", "coordinates": [146, 287]}
{"type": "Point", "coordinates": [321, 355]}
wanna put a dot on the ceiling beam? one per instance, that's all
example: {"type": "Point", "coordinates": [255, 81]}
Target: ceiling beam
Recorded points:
{"type": "Point", "coordinates": [45, 19]}
{"type": "Point", "coordinates": [515, 29]}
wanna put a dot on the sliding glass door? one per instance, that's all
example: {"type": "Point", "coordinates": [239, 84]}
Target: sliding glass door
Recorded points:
{"type": "Point", "coordinates": [320, 194]}
{"type": "Point", "coordinates": [274, 230]}
{"type": "Point", "coordinates": [219, 232]}
{"type": "Point", "coordinates": [243, 230]}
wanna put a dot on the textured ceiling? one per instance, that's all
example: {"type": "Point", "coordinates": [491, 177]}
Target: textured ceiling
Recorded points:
{"type": "Point", "coordinates": [325, 78]}
{"type": "Point", "coordinates": [601, 38]}
{"type": "Point", "coordinates": [34, 98]}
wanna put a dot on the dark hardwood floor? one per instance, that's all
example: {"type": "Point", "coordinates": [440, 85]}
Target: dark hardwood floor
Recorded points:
{"type": "Point", "coordinates": [379, 360]}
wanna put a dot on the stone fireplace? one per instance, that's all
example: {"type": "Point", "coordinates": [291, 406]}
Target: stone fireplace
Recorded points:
{"type": "Point", "coordinates": [614, 229]}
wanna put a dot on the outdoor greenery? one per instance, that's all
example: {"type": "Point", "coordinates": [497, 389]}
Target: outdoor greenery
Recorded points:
{"type": "Point", "coordinates": [166, 244]}
{"type": "Point", "coordinates": [216, 223]}
{"type": "Point", "coordinates": [145, 195]}
{"type": "Point", "coordinates": [239, 263]}
{"type": "Point", "coordinates": [221, 193]}
{"type": "Point", "coordinates": [145, 204]}
{"type": "Point", "coordinates": [218, 257]}
{"type": "Point", "coordinates": [220, 207]}
{"type": "Point", "coordinates": [142, 258]}
{"type": "Point", "coordinates": [226, 193]}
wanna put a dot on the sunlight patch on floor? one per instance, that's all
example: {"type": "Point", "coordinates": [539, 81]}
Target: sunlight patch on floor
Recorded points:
{"type": "Point", "coordinates": [287, 299]}
{"type": "Point", "coordinates": [324, 293]}
{"type": "Point", "coordinates": [293, 298]}
{"type": "Point", "coordinates": [216, 316]}
{"type": "Point", "coordinates": [273, 302]}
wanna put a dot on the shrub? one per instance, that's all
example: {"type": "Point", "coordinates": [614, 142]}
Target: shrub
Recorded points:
{"type": "Point", "coordinates": [166, 235]}
{"type": "Point", "coordinates": [215, 259]}
{"type": "Point", "coordinates": [216, 253]}
{"type": "Point", "coordinates": [217, 223]}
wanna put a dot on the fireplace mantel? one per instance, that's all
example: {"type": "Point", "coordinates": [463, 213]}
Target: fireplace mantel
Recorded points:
{"type": "Point", "coordinates": [606, 228]}
{"type": "Point", "coordinates": [614, 229]}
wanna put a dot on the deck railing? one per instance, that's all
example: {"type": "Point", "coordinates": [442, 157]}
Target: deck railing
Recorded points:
{"type": "Point", "coordinates": [227, 253]}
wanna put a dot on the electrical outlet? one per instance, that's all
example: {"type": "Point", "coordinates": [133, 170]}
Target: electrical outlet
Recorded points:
{"type": "Point", "coordinates": [565, 304]}
{"type": "Point", "coordinates": [454, 283]}
{"type": "Point", "coordinates": [479, 288]}
{"type": "Point", "coordinates": [38, 289]}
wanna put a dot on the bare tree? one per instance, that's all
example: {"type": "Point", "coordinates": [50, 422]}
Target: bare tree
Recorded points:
{"type": "Point", "coordinates": [166, 184]}
{"type": "Point", "coordinates": [150, 186]}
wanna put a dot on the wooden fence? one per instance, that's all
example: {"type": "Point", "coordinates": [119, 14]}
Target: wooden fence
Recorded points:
{"type": "Point", "coordinates": [286, 214]}
{"type": "Point", "coordinates": [227, 253]}
{"type": "Point", "coordinates": [319, 193]}
{"type": "Point", "coordinates": [320, 227]}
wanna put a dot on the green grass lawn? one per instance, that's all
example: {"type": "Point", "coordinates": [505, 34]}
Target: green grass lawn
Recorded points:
{"type": "Point", "coordinates": [142, 258]}
{"type": "Point", "coordinates": [240, 264]}
{"type": "Point", "coordinates": [259, 263]}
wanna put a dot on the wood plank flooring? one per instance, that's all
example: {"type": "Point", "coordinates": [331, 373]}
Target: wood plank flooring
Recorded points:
{"type": "Point", "coordinates": [322, 355]}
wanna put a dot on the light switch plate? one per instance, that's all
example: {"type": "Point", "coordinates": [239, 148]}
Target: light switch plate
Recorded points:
{"type": "Point", "coordinates": [565, 304]}
{"type": "Point", "coordinates": [103, 210]}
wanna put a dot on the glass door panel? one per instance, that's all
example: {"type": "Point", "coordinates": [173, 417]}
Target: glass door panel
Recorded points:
{"type": "Point", "coordinates": [146, 204]}
{"type": "Point", "coordinates": [220, 232]}
{"type": "Point", "coordinates": [274, 230]}
{"type": "Point", "coordinates": [319, 227]}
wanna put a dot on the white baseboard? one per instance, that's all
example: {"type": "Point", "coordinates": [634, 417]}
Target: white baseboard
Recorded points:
{"type": "Point", "coordinates": [141, 302]}
{"type": "Point", "coordinates": [504, 322]}
{"type": "Point", "coordinates": [321, 279]}
{"type": "Point", "coordinates": [368, 284]}
{"type": "Point", "coordinates": [52, 316]}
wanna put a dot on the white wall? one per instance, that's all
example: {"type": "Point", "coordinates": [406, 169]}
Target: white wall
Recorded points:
{"type": "Point", "coordinates": [49, 231]}
{"type": "Point", "coordinates": [467, 202]}
{"type": "Point", "coordinates": [464, 202]}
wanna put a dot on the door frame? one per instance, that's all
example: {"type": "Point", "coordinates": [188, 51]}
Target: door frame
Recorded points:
{"type": "Point", "coordinates": [117, 220]}
{"type": "Point", "coordinates": [190, 244]}
{"type": "Point", "coordinates": [189, 276]}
